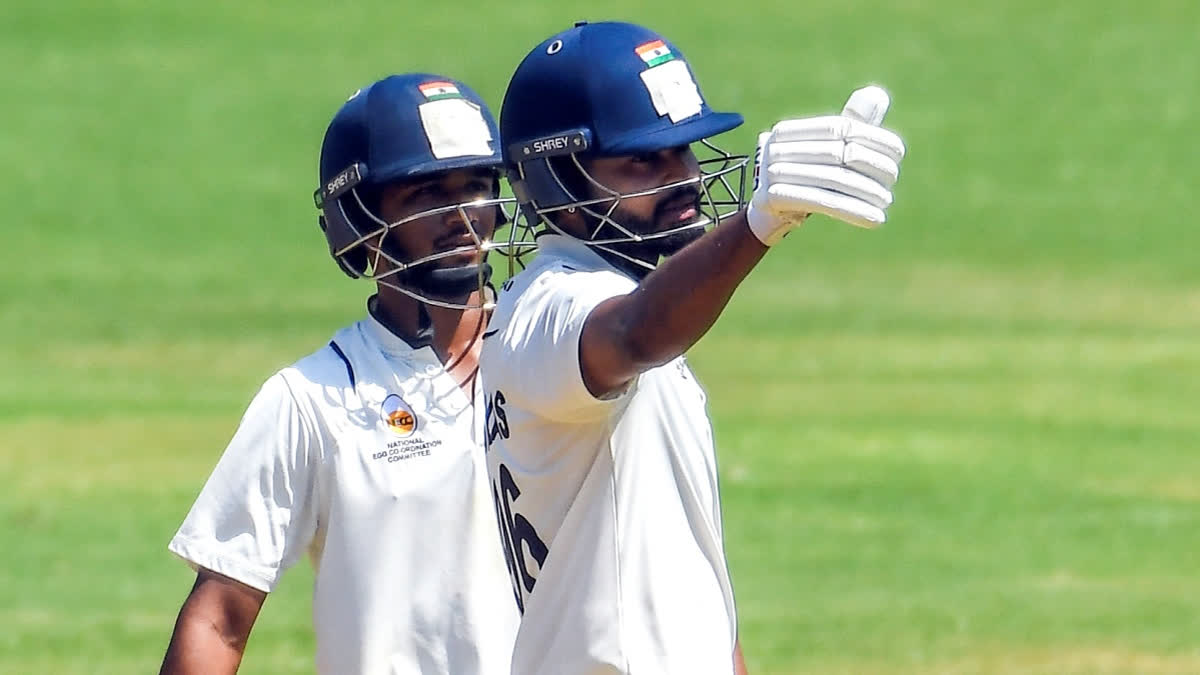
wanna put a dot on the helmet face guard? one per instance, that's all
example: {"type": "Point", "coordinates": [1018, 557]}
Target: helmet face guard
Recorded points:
{"type": "Point", "coordinates": [364, 245]}
{"type": "Point", "coordinates": [543, 192]}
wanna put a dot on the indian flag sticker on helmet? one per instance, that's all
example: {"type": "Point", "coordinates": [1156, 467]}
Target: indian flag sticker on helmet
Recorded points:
{"type": "Point", "coordinates": [654, 53]}
{"type": "Point", "coordinates": [435, 91]}
{"type": "Point", "coordinates": [399, 416]}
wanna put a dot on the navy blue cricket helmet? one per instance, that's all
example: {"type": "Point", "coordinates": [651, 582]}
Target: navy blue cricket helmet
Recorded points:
{"type": "Point", "coordinates": [401, 128]}
{"type": "Point", "coordinates": [604, 89]}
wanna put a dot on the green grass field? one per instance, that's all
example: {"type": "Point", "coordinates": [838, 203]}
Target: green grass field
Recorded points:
{"type": "Point", "coordinates": [965, 443]}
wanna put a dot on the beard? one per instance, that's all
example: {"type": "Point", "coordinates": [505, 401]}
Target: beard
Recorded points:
{"type": "Point", "coordinates": [447, 284]}
{"type": "Point", "coordinates": [439, 280]}
{"type": "Point", "coordinates": [650, 251]}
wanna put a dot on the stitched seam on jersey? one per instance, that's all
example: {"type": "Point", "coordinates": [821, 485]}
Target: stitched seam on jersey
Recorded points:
{"type": "Point", "coordinates": [617, 550]}
{"type": "Point", "coordinates": [303, 410]}
{"type": "Point", "coordinates": [315, 494]}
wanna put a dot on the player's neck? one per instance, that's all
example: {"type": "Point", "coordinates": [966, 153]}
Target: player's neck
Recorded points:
{"type": "Point", "coordinates": [402, 316]}
{"type": "Point", "coordinates": [455, 335]}
{"type": "Point", "coordinates": [457, 338]}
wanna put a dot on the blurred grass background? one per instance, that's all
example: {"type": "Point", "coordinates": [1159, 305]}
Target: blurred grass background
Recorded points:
{"type": "Point", "coordinates": [964, 443]}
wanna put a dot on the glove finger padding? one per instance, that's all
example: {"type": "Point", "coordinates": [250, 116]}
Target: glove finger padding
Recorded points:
{"type": "Point", "coordinates": [876, 166]}
{"type": "Point", "coordinates": [785, 198]}
{"type": "Point", "coordinates": [872, 164]}
{"type": "Point", "coordinates": [838, 128]}
{"type": "Point", "coordinates": [834, 178]}
{"type": "Point", "coordinates": [805, 152]}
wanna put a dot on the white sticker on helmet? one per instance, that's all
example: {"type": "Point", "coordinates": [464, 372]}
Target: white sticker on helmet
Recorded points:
{"type": "Point", "coordinates": [455, 128]}
{"type": "Point", "coordinates": [673, 90]}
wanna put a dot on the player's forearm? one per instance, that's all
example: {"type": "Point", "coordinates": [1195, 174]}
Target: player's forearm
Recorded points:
{"type": "Point", "coordinates": [198, 646]}
{"type": "Point", "coordinates": [677, 303]}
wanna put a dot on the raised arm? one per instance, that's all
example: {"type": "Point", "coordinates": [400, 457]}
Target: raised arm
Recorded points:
{"type": "Point", "coordinates": [842, 166]}
{"type": "Point", "coordinates": [213, 626]}
{"type": "Point", "coordinates": [673, 307]}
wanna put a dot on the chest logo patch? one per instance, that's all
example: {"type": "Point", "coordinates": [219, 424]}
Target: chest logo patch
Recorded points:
{"type": "Point", "coordinates": [399, 416]}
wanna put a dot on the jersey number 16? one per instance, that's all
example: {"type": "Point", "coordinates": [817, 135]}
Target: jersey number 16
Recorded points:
{"type": "Point", "coordinates": [516, 532]}
{"type": "Point", "coordinates": [518, 536]}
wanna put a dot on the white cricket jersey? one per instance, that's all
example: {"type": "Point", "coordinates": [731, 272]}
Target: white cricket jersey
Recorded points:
{"type": "Point", "coordinates": [609, 508]}
{"type": "Point", "coordinates": [367, 456]}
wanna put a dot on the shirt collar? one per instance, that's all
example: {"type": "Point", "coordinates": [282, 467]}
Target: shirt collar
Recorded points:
{"type": "Point", "coordinates": [390, 341]}
{"type": "Point", "coordinates": [417, 368]}
{"type": "Point", "coordinates": [575, 251]}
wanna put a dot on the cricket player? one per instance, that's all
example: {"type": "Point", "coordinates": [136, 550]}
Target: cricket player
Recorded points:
{"type": "Point", "coordinates": [367, 455]}
{"type": "Point", "coordinates": [600, 449]}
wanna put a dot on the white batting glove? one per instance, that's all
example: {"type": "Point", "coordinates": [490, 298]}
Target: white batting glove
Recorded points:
{"type": "Point", "coordinates": [843, 166]}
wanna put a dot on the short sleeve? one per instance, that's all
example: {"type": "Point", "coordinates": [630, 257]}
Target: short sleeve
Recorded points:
{"type": "Point", "coordinates": [256, 515]}
{"type": "Point", "coordinates": [538, 365]}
